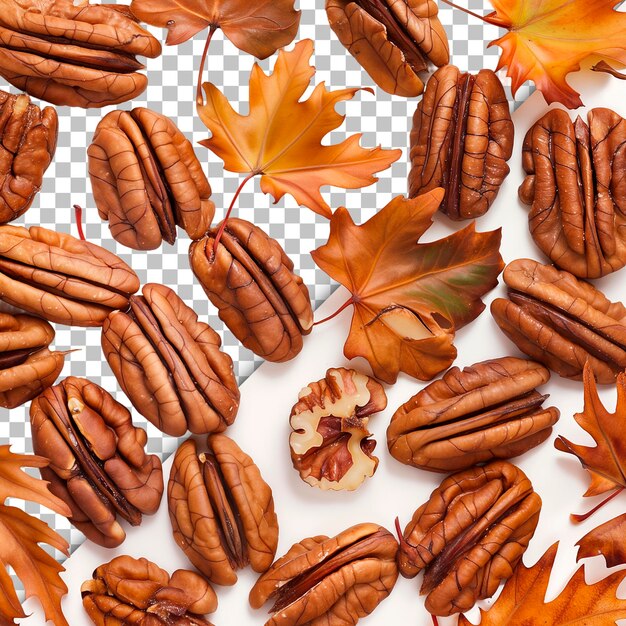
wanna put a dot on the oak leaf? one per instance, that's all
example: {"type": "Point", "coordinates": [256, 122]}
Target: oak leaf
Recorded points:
{"type": "Point", "coordinates": [522, 601]}
{"type": "Point", "coordinates": [606, 540]}
{"type": "Point", "coordinates": [408, 297]}
{"type": "Point", "coordinates": [548, 39]}
{"type": "Point", "coordinates": [20, 536]}
{"type": "Point", "coordinates": [281, 136]}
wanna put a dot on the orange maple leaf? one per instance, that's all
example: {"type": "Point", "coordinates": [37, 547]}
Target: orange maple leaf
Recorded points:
{"type": "Point", "coordinates": [281, 136]}
{"type": "Point", "coordinates": [408, 297]}
{"type": "Point", "coordinates": [606, 540]}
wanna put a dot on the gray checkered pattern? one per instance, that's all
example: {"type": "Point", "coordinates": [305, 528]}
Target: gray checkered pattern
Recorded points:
{"type": "Point", "coordinates": [383, 119]}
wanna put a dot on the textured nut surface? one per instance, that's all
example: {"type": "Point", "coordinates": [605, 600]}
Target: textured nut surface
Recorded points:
{"type": "Point", "coordinates": [98, 463]}
{"type": "Point", "coordinates": [221, 510]}
{"type": "Point", "coordinates": [576, 188]}
{"type": "Point", "coordinates": [136, 592]}
{"type": "Point", "coordinates": [28, 139]}
{"type": "Point", "coordinates": [394, 40]}
{"type": "Point", "coordinates": [330, 445]}
{"type": "Point", "coordinates": [461, 139]}
{"type": "Point", "coordinates": [147, 179]}
{"type": "Point", "coordinates": [27, 367]}
{"type": "Point", "coordinates": [170, 364]}
{"type": "Point", "coordinates": [251, 281]}
{"type": "Point", "coordinates": [470, 535]}
{"type": "Point", "coordinates": [73, 53]}
{"type": "Point", "coordinates": [330, 580]}
{"type": "Point", "coordinates": [61, 278]}
{"type": "Point", "coordinates": [489, 410]}
{"type": "Point", "coordinates": [562, 321]}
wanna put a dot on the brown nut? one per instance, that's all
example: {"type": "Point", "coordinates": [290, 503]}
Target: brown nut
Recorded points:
{"type": "Point", "coordinates": [74, 53]}
{"type": "Point", "coordinates": [470, 535]}
{"type": "Point", "coordinates": [330, 580]}
{"type": "Point", "coordinates": [562, 321]}
{"type": "Point", "coordinates": [98, 464]}
{"type": "Point", "coordinates": [136, 592]}
{"type": "Point", "coordinates": [147, 179]}
{"type": "Point", "coordinates": [170, 364]}
{"type": "Point", "coordinates": [576, 188]}
{"type": "Point", "coordinates": [61, 278]}
{"type": "Point", "coordinates": [28, 139]}
{"type": "Point", "coordinates": [489, 410]}
{"type": "Point", "coordinates": [221, 509]}
{"type": "Point", "coordinates": [27, 367]}
{"type": "Point", "coordinates": [394, 40]}
{"type": "Point", "coordinates": [461, 139]}
{"type": "Point", "coordinates": [251, 281]}
{"type": "Point", "coordinates": [330, 445]}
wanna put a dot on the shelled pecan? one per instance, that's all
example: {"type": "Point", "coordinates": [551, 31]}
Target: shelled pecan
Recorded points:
{"type": "Point", "coordinates": [330, 580]}
{"type": "Point", "coordinates": [562, 321]}
{"type": "Point", "coordinates": [330, 444]}
{"type": "Point", "coordinates": [147, 179]}
{"type": "Point", "coordinates": [470, 535]}
{"type": "Point", "coordinates": [489, 410]}
{"type": "Point", "coordinates": [61, 278]}
{"type": "Point", "coordinates": [221, 510]}
{"type": "Point", "coordinates": [250, 280]}
{"type": "Point", "coordinates": [394, 40]}
{"type": "Point", "coordinates": [74, 53]}
{"type": "Point", "coordinates": [576, 188]}
{"type": "Point", "coordinates": [28, 139]}
{"type": "Point", "coordinates": [27, 366]}
{"type": "Point", "coordinates": [136, 592]}
{"type": "Point", "coordinates": [461, 139]}
{"type": "Point", "coordinates": [170, 364]}
{"type": "Point", "coordinates": [98, 464]}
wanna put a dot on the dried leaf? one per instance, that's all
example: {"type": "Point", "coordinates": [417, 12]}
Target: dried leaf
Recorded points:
{"type": "Point", "coordinates": [607, 540]}
{"type": "Point", "coordinates": [408, 297]}
{"type": "Point", "coordinates": [281, 136]}
{"type": "Point", "coordinates": [523, 599]}
{"type": "Point", "coordinates": [258, 28]}
{"type": "Point", "coordinates": [603, 66]}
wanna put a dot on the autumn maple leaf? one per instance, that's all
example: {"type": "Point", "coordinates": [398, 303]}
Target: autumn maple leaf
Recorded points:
{"type": "Point", "coordinates": [408, 297]}
{"type": "Point", "coordinates": [20, 536]}
{"type": "Point", "coordinates": [522, 600]}
{"type": "Point", "coordinates": [548, 39]}
{"type": "Point", "coordinates": [606, 540]}
{"type": "Point", "coordinates": [280, 138]}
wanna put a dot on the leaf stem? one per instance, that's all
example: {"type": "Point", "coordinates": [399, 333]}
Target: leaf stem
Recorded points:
{"type": "Point", "coordinates": [345, 305]}
{"type": "Point", "coordinates": [435, 622]}
{"type": "Point", "coordinates": [489, 19]}
{"type": "Point", "coordinates": [205, 52]}
{"type": "Point", "coordinates": [577, 519]}
{"type": "Point", "coordinates": [78, 212]}
{"type": "Point", "coordinates": [398, 529]}
{"type": "Point", "coordinates": [218, 236]}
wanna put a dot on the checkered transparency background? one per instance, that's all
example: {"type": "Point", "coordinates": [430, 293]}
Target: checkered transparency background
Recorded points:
{"type": "Point", "coordinates": [383, 119]}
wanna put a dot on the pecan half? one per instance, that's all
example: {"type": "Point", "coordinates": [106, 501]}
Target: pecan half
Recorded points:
{"type": "Point", "coordinates": [61, 278]}
{"type": "Point", "coordinates": [98, 464]}
{"type": "Point", "coordinates": [250, 280]}
{"type": "Point", "coordinates": [330, 444]}
{"type": "Point", "coordinates": [28, 139]}
{"type": "Point", "coordinates": [394, 40]}
{"type": "Point", "coordinates": [330, 580]}
{"type": "Point", "coordinates": [576, 188]}
{"type": "Point", "coordinates": [562, 321]}
{"type": "Point", "coordinates": [74, 53]}
{"type": "Point", "coordinates": [136, 592]}
{"type": "Point", "coordinates": [470, 535]}
{"type": "Point", "coordinates": [27, 367]}
{"type": "Point", "coordinates": [490, 410]}
{"type": "Point", "coordinates": [221, 509]}
{"type": "Point", "coordinates": [170, 364]}
{"type": "Point", "coordinates": [147, 179]}
{"type": "Point", "coordinates": [461, 139]}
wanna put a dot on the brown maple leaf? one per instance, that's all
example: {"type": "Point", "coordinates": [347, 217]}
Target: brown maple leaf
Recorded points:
{"type": "Point", "coordinates": [20, 536]}
{"type": "Point", "coordinates": [280, 138]}
{"type": "Point", "coordinates": [522, 601]}
{"type": "Point", "coordinates": [606, 540]}
{"type": "Point", "coordinates": [548, 39]}
{"type": "Point", "coordinates": [408, 297]}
